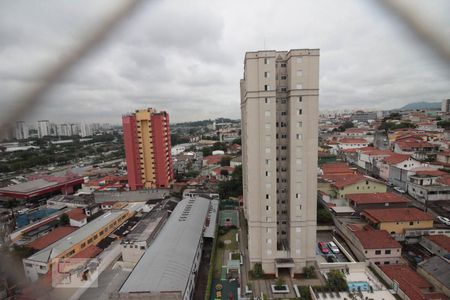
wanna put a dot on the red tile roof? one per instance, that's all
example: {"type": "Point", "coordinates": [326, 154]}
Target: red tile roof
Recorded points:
{"type": "Point", "coordinates": [213, 159]}
{"type": "Point", "coordinates": [397, 215]}
{"type": "Point", "coordinates": [352, 141]}
{"type": "Point", "coordinates": [51, 237]}
{"type": "Point", "coordinates": [377, 152]}
{"type": "Point", "coordinates": [441, 240]}
{"type": "Point", "coordinates": [358, 149]}
{"type": "Point", "coordinates": [356, 130]}
{"type": "Point", "coordinates": [89, 252]}
{"type": "Point", "coordinates": [336, 168]}
{"type": "Point", "coordinates": [376, 198]}
{"type": "Point", "coordinates": [410, 282]}
{"type": "Point", "coordinates": [445, 180]}
{"type": "Point", "coordinates": [227, 168]}
{"type": "Point", "coordinates": [376, 239]}
{"type": "Point", "coordinates": [396, 158]}
{"type": "Point", "coordinates": [432, 173]}
{"type": "Point", "coordinates": [341, 181]}
{"type": "Point", "coordinates": [412, 143]}
{"type": "Point", "coordinates": [76, 214]}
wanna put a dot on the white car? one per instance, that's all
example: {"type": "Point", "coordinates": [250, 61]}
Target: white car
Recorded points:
{"type": "Point", "coordinates": [443, 220]}
{"type": "Point", "coordinates": [401, 191]}
{"type": "Point", "coordinates": [332, 246]}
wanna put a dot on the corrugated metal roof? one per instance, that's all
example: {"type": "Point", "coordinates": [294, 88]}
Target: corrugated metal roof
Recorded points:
{"type": "Point", "coordinates": [166, 265]}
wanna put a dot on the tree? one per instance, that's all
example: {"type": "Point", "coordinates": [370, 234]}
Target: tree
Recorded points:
{"type": "Point", "coordinates": [64, 220]}
{"type": "Point", "coordinates": [258, 271]}
{"type": "Point", "coordinates": [225, 161]}
{"type": "Point", "coordinates": [345, 126]}
{"type": "Point", "coordinates": [237, 141]}
{"type": "Point", "coordinates": [309, 272]}
{"type": "Point", "coordinates": [324, 216]}
{"type": "Point", "coordinates": [224, 172]}
{"type": "Point", "coordinates": [336, 280]}
{"type": "Point", "coordinates": [207, 151]}
{"type": "Point", "coordinates": [233, 187]}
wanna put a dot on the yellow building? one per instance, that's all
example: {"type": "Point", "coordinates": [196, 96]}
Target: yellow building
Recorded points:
{"type": "Point", "coordinates": [341, 185]}
{"type": "Point", "coordinates": [90, 234]}
{"type": "Point", "coordinates": [397, 220]}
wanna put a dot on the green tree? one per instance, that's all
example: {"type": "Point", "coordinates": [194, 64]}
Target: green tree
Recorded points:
{"type": "Point", "coordinates": [207, 151]}
{"type": "Point", "coordinates": [224, 172]}
{"type": "Point", "coordinates": [258, 271]}
{"type": "Point", "coordinates": [225, 161]}
{"type": "Point", "coordinates": [336, 280]}
{"type": "Point", "coordinates": [64, 220]}
{"type": "Point", "coordinates": [309, 272]}
{"type": "Point", "coordinates": [346, 125]}
{"type": "Point", "coordinates": [237, 141]}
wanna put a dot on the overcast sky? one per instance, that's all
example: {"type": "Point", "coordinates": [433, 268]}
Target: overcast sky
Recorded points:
{"type": "Point", "coordinates": [186, 57]}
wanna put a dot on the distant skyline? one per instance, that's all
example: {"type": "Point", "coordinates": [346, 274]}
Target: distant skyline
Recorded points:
{"type": "Point", "coordinates": [188, 59]}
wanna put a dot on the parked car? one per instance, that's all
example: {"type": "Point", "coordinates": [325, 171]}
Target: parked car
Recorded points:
{"type": "Point", "coordinates": [443, 220]}
{"type": "Point", "coordinates": [332, 246]}
{"type": "Point", "coordinates": [401, 191]}
{"type": "Point", "coordinates": [323, 248]}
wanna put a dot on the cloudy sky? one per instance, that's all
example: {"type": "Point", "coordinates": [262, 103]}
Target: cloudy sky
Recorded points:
{"type": "Point", "coordinates": [186, 57]}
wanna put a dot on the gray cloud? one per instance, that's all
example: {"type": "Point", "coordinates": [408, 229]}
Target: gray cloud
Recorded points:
{"type": "Point", "coordinates": [187, 58]}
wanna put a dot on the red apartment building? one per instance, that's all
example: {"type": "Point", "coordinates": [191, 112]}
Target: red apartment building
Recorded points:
{"type": "Point", "coordinates": [146, 135]}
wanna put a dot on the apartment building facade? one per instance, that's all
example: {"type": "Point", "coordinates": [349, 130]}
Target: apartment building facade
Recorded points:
{"type": "Point", "coordinates": [279, 106]}
{"type": "Point", "coordinates": [148, 149]}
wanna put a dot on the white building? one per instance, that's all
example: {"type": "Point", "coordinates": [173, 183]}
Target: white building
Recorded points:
{"type": "Point", "coordinates": [21, 130]}
{"type": "Point", "coordinates": [43, 128]}
{"type": "Point", "coordinates": [86, 130]}
{"type": "Point", "coordinates": [279, 104]}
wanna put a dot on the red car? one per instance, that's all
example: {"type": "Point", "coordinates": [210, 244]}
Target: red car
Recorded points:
{"type": "Point", "coordinates": [323, 248]}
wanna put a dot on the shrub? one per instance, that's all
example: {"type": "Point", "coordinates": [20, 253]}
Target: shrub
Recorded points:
{"type": "Point", "coordinates": [258, 271]}
{"type": "Point", "coordinates": [279, 283]}
{"type": "Point", "coordinates": [309, 272]}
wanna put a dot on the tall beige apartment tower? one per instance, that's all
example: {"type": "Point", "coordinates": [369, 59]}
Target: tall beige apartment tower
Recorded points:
{"type": "Point", "coordinates": [279, 106]}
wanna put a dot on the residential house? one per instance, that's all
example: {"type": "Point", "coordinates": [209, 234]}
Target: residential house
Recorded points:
{"type": "Point", "coordinates": [419, 149]}
{"type": "Point", "coordinates": [77, 217]}
{"type": "Point", "coordinates": [412, 284]}
{"type": "Point", "coordinates": [378, 246]}
{"type": "Point", "coordinates": [341, 185]}
{"type": "Point", "coordinates": [352, 143]}
{"type": "Point", "coordinates": [363, 201]}
{"type": "Point", "coordinates": [443, 158]}
{"type": "Point", "coordinates": [431, 185]}
{"type": "Point", "coordinates": [398, 220]}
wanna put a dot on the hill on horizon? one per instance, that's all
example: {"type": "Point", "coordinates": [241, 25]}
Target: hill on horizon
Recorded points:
{"type": "Point", "coordinates": [422, 105]}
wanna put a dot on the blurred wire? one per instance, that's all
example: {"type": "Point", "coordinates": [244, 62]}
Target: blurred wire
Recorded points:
{"type": "Point", "coordinates": [429, 36]}
{"type": "Point", "coordinates": [52, 75]}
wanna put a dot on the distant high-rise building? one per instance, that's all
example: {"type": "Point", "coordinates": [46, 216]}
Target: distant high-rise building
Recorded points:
{"type": "Point", "coordinates": [445, 105]}
{"type": "Point", "coordinates": [22, 132]}
{"type": "Point", "coordinates": [279, 105]}
{"type": "Point", "coordinates": [43, 128]}
{"type": "Point", "coordinates": [146, 135]}
{"type": "Point", "coordinates": [64, 130]}
{"type": "Point", "coordinates": [86, 129]}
